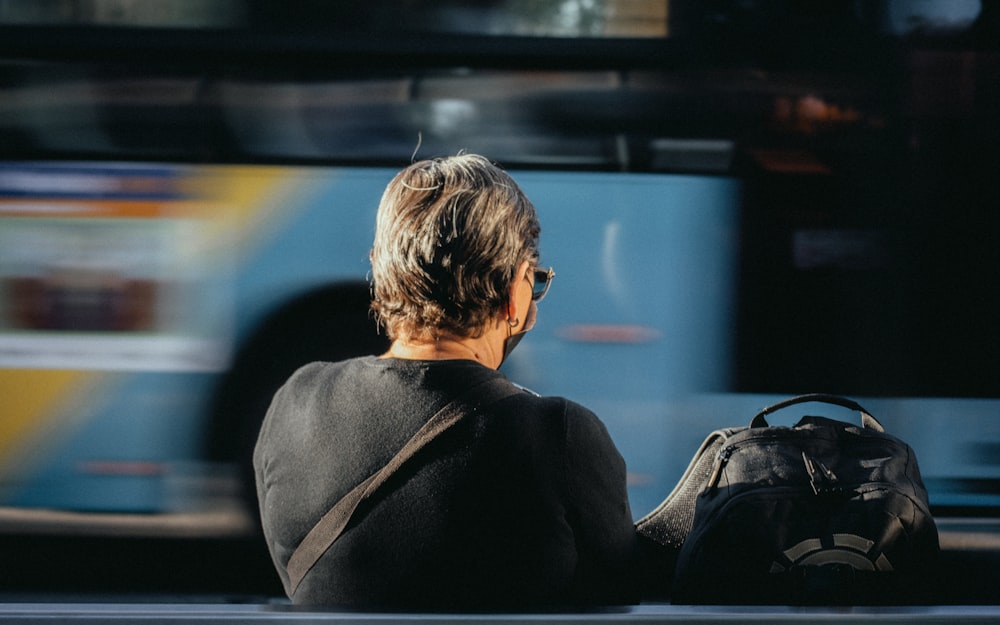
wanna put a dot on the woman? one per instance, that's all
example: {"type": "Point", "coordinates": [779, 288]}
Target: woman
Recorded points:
{"type": "Point", "coordinates": [520, 504]}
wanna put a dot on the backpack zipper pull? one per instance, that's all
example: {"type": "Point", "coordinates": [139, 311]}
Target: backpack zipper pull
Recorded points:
{"type": "Point", "coordinates": [821, 478]}
{"type": "Point", "coordinates": [720, 462]}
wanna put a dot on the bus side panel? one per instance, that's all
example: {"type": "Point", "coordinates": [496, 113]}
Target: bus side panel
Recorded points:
{"type": "Point", "coordinates": [640, 315]}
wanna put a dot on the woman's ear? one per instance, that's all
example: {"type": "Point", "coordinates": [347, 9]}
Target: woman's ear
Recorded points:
{"type": "Point", "coordinates": [519, 298]}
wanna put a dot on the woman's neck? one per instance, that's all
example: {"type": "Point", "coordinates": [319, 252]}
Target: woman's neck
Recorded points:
{"type": "Point", "coordinates": [478, 349]}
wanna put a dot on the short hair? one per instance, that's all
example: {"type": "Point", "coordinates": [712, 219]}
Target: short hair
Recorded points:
{"type": "Point", "coordinates": [449, 236]}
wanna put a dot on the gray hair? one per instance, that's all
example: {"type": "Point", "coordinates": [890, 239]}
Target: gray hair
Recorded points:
{"type": "Point", "coordinates": [449, 236]}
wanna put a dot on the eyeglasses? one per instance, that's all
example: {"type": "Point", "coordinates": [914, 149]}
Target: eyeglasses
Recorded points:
{"type": "Point", "coordinates": [543, 280]}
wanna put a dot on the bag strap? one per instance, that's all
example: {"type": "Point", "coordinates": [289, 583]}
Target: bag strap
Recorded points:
{"type": "Point", "coordinates": [329, 527]}
{"type": "Point", "coordinates": [867, 420]}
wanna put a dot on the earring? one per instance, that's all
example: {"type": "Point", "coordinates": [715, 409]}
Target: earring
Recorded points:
{"type": "Point", "coordinates": [513, 322]}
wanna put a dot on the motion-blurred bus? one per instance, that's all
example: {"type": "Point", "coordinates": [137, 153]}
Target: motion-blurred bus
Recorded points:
{"type": "Point", "coordinates": [186, 214]}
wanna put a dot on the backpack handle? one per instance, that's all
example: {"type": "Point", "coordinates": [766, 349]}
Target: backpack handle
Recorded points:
{"type": "Point", "coordinates": [867, 420]}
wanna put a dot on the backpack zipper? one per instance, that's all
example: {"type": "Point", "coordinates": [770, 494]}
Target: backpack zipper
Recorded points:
{"type": "Point", "coordinates": [720, 463]}
{"type": "Point", "coordinates": [821, 478]}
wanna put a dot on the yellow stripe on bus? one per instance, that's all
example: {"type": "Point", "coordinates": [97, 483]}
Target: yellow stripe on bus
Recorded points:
{"type": "Point", "coordinates": [31, 397]}
{"type": "Point", "coordinates": [248, 202]}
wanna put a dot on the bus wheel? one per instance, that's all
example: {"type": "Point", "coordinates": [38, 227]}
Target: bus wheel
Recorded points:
{"type": "Point", "coordinates": [329, 323]}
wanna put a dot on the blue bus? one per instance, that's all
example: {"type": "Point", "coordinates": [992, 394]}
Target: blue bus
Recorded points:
{"type": "Point", "coordinates": [136, 322]}
{"type": "Point", "coordinates": [183, 226]}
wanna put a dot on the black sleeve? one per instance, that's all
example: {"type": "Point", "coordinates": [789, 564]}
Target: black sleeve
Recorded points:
{"type": "Point", "coordinates": [607, 544]}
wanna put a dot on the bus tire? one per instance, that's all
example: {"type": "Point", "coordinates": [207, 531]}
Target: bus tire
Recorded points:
{"type": "Point", "coordinates": [328, 323]}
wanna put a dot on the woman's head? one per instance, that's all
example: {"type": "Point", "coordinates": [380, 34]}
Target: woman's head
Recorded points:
{"type": "Point", "coordinates": [449, 236]}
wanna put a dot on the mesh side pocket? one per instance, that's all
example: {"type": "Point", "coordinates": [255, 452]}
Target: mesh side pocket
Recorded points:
{"type": "Point", "coordinates": [670, 522]}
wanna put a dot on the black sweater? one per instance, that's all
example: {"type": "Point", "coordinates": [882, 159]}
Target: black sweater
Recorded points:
{"type": "Point", "coordinates": [521, 505]}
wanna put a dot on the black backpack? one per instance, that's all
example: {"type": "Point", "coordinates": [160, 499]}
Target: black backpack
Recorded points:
{"type": "Point", "coordinates": [824, 512]}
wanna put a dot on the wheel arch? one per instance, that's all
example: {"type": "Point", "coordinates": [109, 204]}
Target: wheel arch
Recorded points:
{"type": "Point", "coordinates": [329, 322]}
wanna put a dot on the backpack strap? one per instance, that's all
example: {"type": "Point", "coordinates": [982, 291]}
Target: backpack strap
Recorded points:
{"type": "Point", "coordinates": [329, 527]}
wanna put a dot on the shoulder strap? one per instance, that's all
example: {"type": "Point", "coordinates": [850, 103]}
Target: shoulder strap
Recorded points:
{"type": "Point", "coordinates": [329, 527]}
